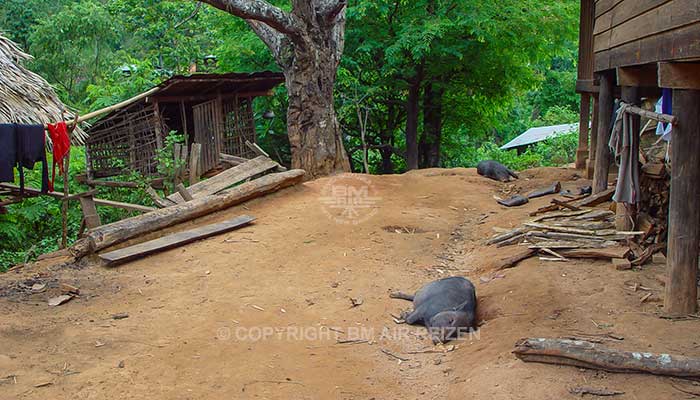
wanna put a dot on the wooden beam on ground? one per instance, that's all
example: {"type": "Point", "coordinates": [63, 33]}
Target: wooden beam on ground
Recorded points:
{"type": "Point", "coordinates": [596, 199]}
{"type": "Point", "coordinates": [679, 75]}
{"type": "Point", "coordinates": [605, 115]}
{"type": "Point", "coordinates": [99, 202]}
{"type": "Point", "coordinates": [604, 253]}
{"type": "Point", "coordinates": [120, 231]}
{"type": "Point", "coordinates": [256, 149]}
{"type": "Point", "coordinates": [90, 215]}
{"type": "Point", "coordinates": [173, 240]}
{"type": "Point", "coordinates": [183, 192]}
{"type": "Point", "coordinates": [582, 354]}
{"type": "Point", "coordinates": [195, 156]}
{"type": "Point", "coordinates": [260, 152]}
{"type": "Point", "coordinates": [227, 178]}
{"type": "Point", "coordinates": [684, 213]}
{"type": "Point", "coordinates": [233, 160]}
{"type": "Point", "coordinates": [512, 261]}
{"type": "Point", "coordinates": [637, 76]}
{"type": "Point", "coordinates": [159, 201]}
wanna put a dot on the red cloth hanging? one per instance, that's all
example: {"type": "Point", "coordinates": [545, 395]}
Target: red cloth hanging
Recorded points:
{"type": "Point", "coordinates": [61, 145]}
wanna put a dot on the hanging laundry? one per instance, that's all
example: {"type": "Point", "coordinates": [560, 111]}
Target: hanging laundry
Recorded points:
{"type": "Point", "coordinates": [31, 149]}
{"type": "Point", "coordinates": [61, 146]}
{"type": "Point", "coordinates": [8, 152]}
{"type": "Point", "coordinates": [665, 106]}
{"type": "Point", "coordinates": [626, 152]}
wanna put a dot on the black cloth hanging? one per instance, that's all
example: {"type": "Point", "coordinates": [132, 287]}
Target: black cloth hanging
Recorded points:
{"type": "Point", "coordinates": [8, 152]}
{"type": "Point", "coordinates": [31, 149]}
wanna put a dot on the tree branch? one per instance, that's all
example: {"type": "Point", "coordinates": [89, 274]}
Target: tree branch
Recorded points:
{"type": "Point", "coordinates": [332, 9]}
{"type": "Point", "coordinates": [259, 10]}
{"type": "Point", "coordinates": [194, 14]}
{"type": "Point", "coordinates": [277, 43]}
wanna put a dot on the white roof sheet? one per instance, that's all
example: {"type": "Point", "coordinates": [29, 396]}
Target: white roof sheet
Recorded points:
{"type": "Point", "coordinates": [534, 135]}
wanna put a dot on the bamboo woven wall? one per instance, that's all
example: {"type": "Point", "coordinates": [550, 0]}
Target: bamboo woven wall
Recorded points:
{"type": "Point", "coordinates": [128, 141]}
{"type": "Point", "coordinates": [239, 126]}
{"type": "Point", "coordinates": [124, 142]}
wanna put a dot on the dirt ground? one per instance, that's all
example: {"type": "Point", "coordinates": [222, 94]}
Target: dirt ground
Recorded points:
{"type": "Point", "coordinates": [257, 313]}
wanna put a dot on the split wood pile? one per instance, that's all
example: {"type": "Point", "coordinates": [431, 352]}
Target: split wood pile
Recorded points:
{"type": "Point", "coordinates": [578, 232]}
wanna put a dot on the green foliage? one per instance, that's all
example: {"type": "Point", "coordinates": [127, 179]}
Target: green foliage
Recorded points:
{"type": "Point", "coordinates": [74, 46]}
{"type": "Point", "coordinates": [34, 226]}
{"type": "Point", "coordinates": [167, 164]}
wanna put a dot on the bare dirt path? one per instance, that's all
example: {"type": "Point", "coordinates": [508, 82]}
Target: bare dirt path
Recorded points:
{"type": "Point", "coordinates": [197, 314]}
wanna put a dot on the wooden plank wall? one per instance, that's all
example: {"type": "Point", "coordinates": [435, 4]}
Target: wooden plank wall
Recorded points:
{"type": "Point", "coordinates": [634, 32]}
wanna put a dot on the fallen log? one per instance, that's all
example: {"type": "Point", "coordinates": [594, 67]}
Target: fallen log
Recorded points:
{"type": "Point", "coordinates": [562, 214]}
{"type": "Point", "coordinates": [594, 391]}
{"type": "Point", "coordinates": [560, 229]}
{"type": "Point", "coordinates": [512, 261]}
{"type": "Point", "coordinates": [594, 200]}
{"type": "Point", "coordinates": [605, 253]}
{"type": "Point", "coordinates": [552, 189]}
{"type": "Point", "coordinates": [599, 214]}
{"type": "Point", "coordinates": [513, 240]}
{"type": "Point", "coordinates": [648, 253]}
{"type": "Point", "coordinates": [507, 235]}
{"type": "Point", "coordinates": [584, 354]}
{"type": "Point", "coordinates": [573, 236]}
{"type": "Point", "coordinates": [120, 231]}
{"type": "Point", "coordinates": [565, 205]}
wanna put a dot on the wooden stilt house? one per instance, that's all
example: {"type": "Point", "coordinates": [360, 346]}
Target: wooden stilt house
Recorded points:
{"type": "Point", "coordinates": [214, 110]}
{"type": "Point", "coordinates": [634, 49]}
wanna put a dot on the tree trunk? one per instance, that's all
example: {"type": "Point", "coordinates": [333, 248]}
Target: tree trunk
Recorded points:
{"type": "Point", "coordinates": [314, 133]}
{"type": "Point", "coordinates": [387, 141]}
{"type": "Point", "coordinates": [307, 44]}
{"type": "Point", "coordinates": [432, 127]}
{"type": "Point", "coordinates": [412, 111]}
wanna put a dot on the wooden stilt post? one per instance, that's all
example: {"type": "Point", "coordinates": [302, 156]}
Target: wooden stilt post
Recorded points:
{"type": "Point", "coordinates": [684, 213]}
{"type": "Point", "coordinates": [584, 121]}
{"type": "Point", "coordinates": [64, 204]}
{"type": "Point", "coordinates": [585, 72]}
{"type": "Point", "coordinates": [605, 114]}
{"type": "Point", "coordinates": [627, 213]}
{"type": "Point", "coordinates": [590, 167]}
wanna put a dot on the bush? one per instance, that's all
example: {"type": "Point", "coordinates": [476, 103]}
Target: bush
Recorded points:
{"type": "Point", "coordinates": [34, 226]}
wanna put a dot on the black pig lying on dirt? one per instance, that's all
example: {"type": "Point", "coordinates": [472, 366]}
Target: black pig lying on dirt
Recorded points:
{"type": "Point", "coordinates": [495, 170]}
{"type": "Point", "coordinates": [446, 307]}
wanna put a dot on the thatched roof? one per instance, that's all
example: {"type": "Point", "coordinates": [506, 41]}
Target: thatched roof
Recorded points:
{"type": "Point", "coordinates": [25, 97]}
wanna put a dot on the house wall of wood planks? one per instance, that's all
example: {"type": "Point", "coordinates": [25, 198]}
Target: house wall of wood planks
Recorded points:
{"type": "Point", "coordinates": [636, 32]}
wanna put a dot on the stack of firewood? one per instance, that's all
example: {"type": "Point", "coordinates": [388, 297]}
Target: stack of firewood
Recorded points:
{"type": "Point", "coordinates": [587, 233]}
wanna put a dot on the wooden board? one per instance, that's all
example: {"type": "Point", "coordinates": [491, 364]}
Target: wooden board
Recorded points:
{"type": "Point", "coordinates": [108, 235]}
{"type": "Point", "coordinates": [90, 216]}
{"type": "Point", "coordinates": [174, 240]}
{"type": "Point", "coordinates": [605, 253]}
{"type": "Point", "coordinates": [227, 178]}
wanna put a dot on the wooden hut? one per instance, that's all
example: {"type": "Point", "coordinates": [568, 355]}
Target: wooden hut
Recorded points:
{"type": "Point", "coordinates": [629, 50]}
{"type": "Point", "coordinates": [214, 110]}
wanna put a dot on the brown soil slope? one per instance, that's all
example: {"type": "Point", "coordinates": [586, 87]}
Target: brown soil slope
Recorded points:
{"type": "Point", "coordinates": [195, 313]}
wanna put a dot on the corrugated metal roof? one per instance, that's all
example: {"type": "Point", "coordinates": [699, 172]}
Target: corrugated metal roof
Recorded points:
{"type": "Point", "coordinates": [534, 135]}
